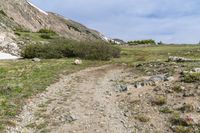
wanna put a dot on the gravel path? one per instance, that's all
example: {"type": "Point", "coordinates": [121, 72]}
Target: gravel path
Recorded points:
{"type": "Point", "coordinates": [83, 102]}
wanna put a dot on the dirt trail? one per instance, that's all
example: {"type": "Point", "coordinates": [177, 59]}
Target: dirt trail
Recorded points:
{"type": "Point", "coordinates": [83, 102]}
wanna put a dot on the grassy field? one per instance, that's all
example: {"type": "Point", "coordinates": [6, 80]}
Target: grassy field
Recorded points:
{"type": "Point", "coordinates": [24, 78]}
{"type": "Point", "coordinates": [133, 55]}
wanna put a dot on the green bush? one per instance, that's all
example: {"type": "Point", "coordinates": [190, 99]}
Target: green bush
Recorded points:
{"type": "Point", "coordinates": [45, 36]}
{"type": "Point", "coordinates": [67, 48]}
{"type": "Point", "coordinates": [3, 13]}
{"type": "Point", "coordinates": [139, 42]}
{"type": "Point", "coordinates": [47, 31]}
{"type": "Point", "coordinates": [20, 29]}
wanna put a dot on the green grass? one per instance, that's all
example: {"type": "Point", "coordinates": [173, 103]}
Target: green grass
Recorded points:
{"type": "Point", "coordinates": [21, 79]}
{"type": "Point", "coordinates": [35, 36]}
{"type": "Point", "coordinates": [24, 78]}
{"type": "Point", "coordinates": [134, 55]}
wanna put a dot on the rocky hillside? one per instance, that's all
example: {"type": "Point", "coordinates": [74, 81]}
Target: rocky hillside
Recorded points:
{"type": "Point", "coordinates": [21, 14]}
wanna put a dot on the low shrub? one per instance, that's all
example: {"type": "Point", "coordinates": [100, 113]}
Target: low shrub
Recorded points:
{"type": "Point", "coordinates": [142, 118]}
{"type": "Point", "coordinates": [45, 36]}
{"type": "Point", "coordinates": [3, 13]}
{"type": "Point", "coordinates": [177, 88]}
{"type": "Point", "coordinates": [166, 110]}
{"type": "Point", "coordinates": [47, 31]}
{"type": "Point", "coordinates": [67, 48]}
{"type": "Point", "coordinates": [159, 100]}
{"type": "Point", "coordinates": [186, 108]}
{"type": "Point", "coordinates": [191, 77]}
{"type": "Point", "coordinates": [182, 129]}
{"type": "Point", "coordinates": [139, 42]}
{"type": "Point", "coordinates": [20, 29]}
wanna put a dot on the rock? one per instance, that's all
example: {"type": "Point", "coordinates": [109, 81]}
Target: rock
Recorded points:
{"type": "Point", "coordinates": [157, 88]}
{"type": "Point", "coordinates": [68, 118]}
{"type": "Point", "coordinates": [178, 59]}
{"type": "Point", "coordinates": [137, 85]}
{"type": "Point", "coordinates": [139, 65]}
{"type": "Point", "coordinates": [124, 64]}
{"type": "Point", "coordinates": [122, 88]}
{"type": "Point", "coordinates": [198, 109]}
{"type": "Point", "coordinates": [36, 59]}
{"type": "Point", "coordinates": [78, 62]}
{"type": "Point", "coordinates": [188, 94]}
{"type": "Point", "coordinates": [196, 70]}
{"type": "Point", "coordinates": [157, 78]}
{"type": "Point", "coordinates": [170, 78]}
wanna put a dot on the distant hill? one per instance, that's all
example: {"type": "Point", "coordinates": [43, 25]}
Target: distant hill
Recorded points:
{"type": "Point", "coordinates": [23, 15]}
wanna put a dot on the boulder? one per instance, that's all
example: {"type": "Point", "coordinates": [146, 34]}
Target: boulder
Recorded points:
{"type": "Point", "coordinates": [36, 59]}
{"type": "Point", "coordinates": [196, 70]}
{"type": "Point", "coordinates": [78, 62]}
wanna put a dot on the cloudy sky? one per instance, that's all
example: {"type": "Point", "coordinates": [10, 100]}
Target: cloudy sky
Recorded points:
{"type": "Point", "coordinates": [170, 21]}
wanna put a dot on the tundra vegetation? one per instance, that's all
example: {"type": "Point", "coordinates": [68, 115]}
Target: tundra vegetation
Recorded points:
{"type": "Point", "coordinates": [24, 78]}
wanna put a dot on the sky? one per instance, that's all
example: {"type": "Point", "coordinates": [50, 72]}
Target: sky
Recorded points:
{"type": "Point", "coordinates": [169, 21]}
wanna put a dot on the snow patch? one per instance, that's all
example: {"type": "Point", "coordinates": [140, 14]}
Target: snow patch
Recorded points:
{"type": "Point", "coordinates": [6, 56]}
{"type": "Point", "coordinates": [104, 37]}
{"type": "Point", "coordinates": [38, 8]}
{"type": "Point", "coordinates": [109, 39]}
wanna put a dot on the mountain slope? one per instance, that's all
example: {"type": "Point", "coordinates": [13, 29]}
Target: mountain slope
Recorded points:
{"type": "Point", "coordinates": [21, 13]}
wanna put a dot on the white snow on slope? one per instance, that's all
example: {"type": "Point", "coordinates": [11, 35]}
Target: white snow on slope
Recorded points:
{"type": "Point", "coordinates": [5, 56]}
{"type": "Point", "coordinates": [38, 8]}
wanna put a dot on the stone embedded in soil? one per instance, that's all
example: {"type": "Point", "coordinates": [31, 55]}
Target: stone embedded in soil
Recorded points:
{"type": "Point", "coordinates": [179, 59]}
{"type": "Point", "coordinates": [122, 88]}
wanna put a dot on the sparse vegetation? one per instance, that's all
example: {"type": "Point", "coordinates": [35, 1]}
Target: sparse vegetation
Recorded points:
{"type": "Point", "coordinates": [177, 88]}
{"type": "Point", "coordinates": [3, 13]}
{"type": "Point", "coordinates": [166, 110]}
{"type": "Point", "coordinates": [182, 129]}
{"type": "Point", "coordinates": [142, 118]}
{"type": "Point", "coordinates": [187, 108]}
{"type": "Point", "coordinates": [159, 100]}
{"type": "Point", "coordinates": [24, 78]}
{"type": "Point", "coordinates": [191, 77]}
{"type": "Point", "coordinates": [177, 120]}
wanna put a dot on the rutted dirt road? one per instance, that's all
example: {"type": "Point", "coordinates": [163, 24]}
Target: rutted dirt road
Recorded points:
{"type": "Point", "coordinates": [83, 102]}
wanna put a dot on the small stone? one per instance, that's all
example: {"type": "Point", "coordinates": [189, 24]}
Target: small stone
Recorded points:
{"type": "Point", "coordinates": [178, 59]}
{"type": "Point", "coordinates": [68, 118]}
{"type": "Point", "coordinates": [138, 85]}
{"type": "Point", "coordinates": [36, 59]}
{"type": "Point", "coordinates": [78, 62]}
{"type": "Point", "coordinates": [121, 88]}
{"type": "Point", "coordinates": [169, 78]}
{"type": "Point", "coordinates": [196, 70]}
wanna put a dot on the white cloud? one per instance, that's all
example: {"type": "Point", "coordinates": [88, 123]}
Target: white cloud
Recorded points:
{"type": "Point", "coordinates": [169, 21]}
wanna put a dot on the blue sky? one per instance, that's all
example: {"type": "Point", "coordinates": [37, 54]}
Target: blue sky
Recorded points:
{"type": "Point", "coordinates": [170, 21]}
